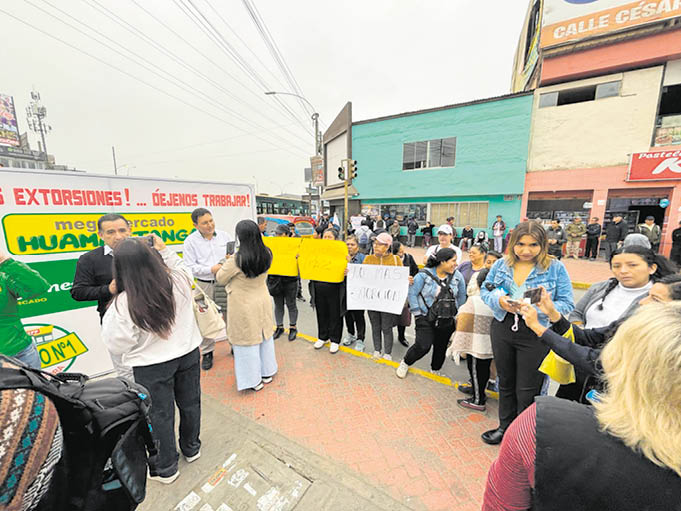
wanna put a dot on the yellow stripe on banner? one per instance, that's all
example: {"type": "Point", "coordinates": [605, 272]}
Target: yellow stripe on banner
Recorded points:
{"type": "Point", "coordinates": [420, 372]}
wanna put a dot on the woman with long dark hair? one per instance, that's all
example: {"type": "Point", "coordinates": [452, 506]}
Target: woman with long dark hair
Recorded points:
{"type": "Point", "coordinates": [249, 308]}
{"type": "Point", "coordinates": [585, 350]}
{"type": "Point", "coordinates": [438, 282]}
{"type": "Point", "coordinates": [517, 351]}
{"type": "Point", "coordinates": [150, 323]}
{"type": "Point", "coordinates": [635, 269]}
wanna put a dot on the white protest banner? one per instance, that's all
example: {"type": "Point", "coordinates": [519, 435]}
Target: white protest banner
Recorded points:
{"type": "Point", "coordinates": [377, 288]}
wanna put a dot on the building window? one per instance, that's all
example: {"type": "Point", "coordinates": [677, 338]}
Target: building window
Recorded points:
{"type": "Point", "coordinates": [464, 213]}
{"type": "Point", "coordinates": [608, 90]}
{"type": "Point", "coordinates": [668, 129]}
{"type": "Point", "coordinates": [580, 94]}
{"type": "Point", "coordinates": [440, 152]}
{"type": "Point", "coordinates": [31, 165]}
{"type": "Point", "coordinates": [401, 212]}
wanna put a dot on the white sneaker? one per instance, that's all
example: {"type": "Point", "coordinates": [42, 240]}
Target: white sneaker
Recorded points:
{"type": "Point", "coordinates": [259, 386]}
{"type": "Point", "coordinates": [402, 370]}
{"type": "Point", "coordinates": [164, 480]}
{"type": "Point", "coordinates": [377, 354]}
{"type": "Point", "coordinates": [349, 340]}
{"type": "Point", "coordinates": [334, 347]}
{"type": "Point", "coordinates": [193, 458]}
{"type": "Point", "coordinates": [319, 344]}
{"type": "Point", "coordinates": [359, 346]}
{"type": "Point", "coordinates": [387, 357]}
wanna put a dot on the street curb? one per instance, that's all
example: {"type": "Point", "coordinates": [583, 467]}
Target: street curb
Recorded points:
{"type": "Point", "coordinates": [443, 380]}
{"type": "Point", "coordinates": [581, 285]}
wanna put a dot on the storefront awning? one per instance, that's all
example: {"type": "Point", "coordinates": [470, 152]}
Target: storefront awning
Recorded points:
{"type": "Point", "coordinates": [338, 192]}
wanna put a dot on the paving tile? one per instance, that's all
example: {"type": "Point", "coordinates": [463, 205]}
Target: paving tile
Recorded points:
{"type": "Point", "coordinates": [406, 437]}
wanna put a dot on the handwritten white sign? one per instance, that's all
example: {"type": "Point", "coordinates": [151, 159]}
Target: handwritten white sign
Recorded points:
{"type": "Point", "coordinates": [377, 288]}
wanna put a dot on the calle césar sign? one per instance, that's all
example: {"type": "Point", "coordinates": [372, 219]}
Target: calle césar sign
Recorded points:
{"type": "Point", "coordinates": [655, 166]}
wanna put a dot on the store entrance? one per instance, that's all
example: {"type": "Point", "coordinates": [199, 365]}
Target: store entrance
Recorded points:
{"type": "Point", "coordinates": [644, 211]}
{"type": "Point", "coordinates": [635, 210]}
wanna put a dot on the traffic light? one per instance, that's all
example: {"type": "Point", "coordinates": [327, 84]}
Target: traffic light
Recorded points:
{"type": "Point", "coordinates": [353, 169]}
{"type": "Point", "coordinates": [341, 173]}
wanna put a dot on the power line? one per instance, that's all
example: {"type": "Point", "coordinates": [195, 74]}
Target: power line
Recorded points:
{"type": "Point", "coordinates": [271, 44]}
{"type": "Point", "coordinates": [191, 146]}
{"type": "Point", "coordinates": [126, 73]}
{"type": "Point", "coordinates": [131, 28]}
{"type": "Point", "coordinates": [141, 35]}
{"type": "Point", "coordinates": [170, 77]}
{"type": "Point", "coordinates": [198, 18]}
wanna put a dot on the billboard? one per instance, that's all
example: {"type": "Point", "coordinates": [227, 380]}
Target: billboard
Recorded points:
{"type": "Point", "coordinates": [9, 130]}
{"type": "Point", "coordinates": [48, 220]}
{"type": "Point", "coordinates": [571, 20]}
{"type": "Point", "coordinates": [655, 166]}
{"type": "Point", "coordinates": [317, 165]}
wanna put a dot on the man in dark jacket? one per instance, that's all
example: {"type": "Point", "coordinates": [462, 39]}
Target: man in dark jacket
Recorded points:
{"type": "Point", "coordinates": [557, 238]}
{"type": "Point", "coordinates": [676, 245]}
{"type": "Point", "coordinates": [593, 232]}
{"type": "Point", "coordinates": [615, 232]}
{"type": "Point", "coordinates": [94, 274]}
{"type": "Point", "coordinates": [412, 227]}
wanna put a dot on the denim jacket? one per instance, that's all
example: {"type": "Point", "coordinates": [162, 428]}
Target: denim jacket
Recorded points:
{"type": "Point", "coordinates": [424, 285]}
{"type": "Point", "coordinates": [555, 280]}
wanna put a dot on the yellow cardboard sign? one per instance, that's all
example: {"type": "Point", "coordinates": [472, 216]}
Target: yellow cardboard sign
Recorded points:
{"type": "Point", "coordinates": [284, 255]}
{"type": "Point", "coordinates": [59, 233]}
{"type": "Point", "coordinates": [323, 260]}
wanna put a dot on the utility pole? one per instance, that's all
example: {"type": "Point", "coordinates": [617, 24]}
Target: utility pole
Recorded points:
{"type": "Point", "coordinates": [347, 172]}
{"type": "Point", "coordinates": [35, 116]}
{"type": "Point", "coordinates": [113, 152]}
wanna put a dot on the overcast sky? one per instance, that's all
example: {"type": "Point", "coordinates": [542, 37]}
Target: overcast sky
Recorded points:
{"type": "Point", "coordinates": [189, 110]}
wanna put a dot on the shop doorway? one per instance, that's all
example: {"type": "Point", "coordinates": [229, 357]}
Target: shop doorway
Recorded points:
{"type": "Point", "coordinates": [644, 211]}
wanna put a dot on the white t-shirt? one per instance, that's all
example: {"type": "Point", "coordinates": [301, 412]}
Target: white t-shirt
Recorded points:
{"type": "Point", "coordinates": [434, 249]}
{"type": "Point", "coordinates": [615, 304]}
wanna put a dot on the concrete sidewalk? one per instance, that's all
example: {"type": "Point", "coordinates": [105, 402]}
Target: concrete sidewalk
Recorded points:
{"type": "Point", "coordinates": [362, 438]}
{"type": "Point", "coordinates": [245, 466]}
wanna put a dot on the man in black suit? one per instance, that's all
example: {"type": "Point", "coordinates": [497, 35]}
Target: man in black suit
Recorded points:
{"type": "Point", "coordinates": [94, 274]}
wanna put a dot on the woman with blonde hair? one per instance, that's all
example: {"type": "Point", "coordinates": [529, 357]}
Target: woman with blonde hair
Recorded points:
{"type": "Point", "coordinates": [623, 453]}
{"type": "Point", "coordinates": [517, 352]}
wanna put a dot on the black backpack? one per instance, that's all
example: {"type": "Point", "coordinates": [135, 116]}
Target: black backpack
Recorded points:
{"type": "Point", "coordinates": [443, 310]}
{"type": "Point", "coordinates": [107, 434]}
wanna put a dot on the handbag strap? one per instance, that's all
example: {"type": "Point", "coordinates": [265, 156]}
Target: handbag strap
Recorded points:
{"type": "Point", "coordinates": [196, 286]}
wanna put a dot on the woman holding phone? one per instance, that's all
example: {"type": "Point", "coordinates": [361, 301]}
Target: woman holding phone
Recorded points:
{"type": "Point", "coordinates": [517, 352]}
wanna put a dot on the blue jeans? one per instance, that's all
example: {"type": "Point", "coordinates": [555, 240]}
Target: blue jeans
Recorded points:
{"type": "Point", "coordinates": [29, 356]}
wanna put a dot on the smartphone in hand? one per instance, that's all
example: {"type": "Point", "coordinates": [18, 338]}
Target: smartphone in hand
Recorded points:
{"type": "Point", "coordinates": [230, 247]}
{"type": "Point", "coordinates": [533, 294]}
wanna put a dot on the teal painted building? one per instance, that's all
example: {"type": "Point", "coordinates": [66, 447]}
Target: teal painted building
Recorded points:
{"type": "Point", "coordinates": [467, 161]}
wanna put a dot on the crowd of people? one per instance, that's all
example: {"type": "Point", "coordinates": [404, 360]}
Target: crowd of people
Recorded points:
{"type": "Point", "coordinates": [509, 308]}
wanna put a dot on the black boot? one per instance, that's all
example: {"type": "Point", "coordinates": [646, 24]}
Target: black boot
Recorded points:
{"type": "Point", "coordinates": [278, 332]}
{"type": "Point", "coordinates": [493, 436]}
{"type": "Point", "coordinates": [292, 333]}
{"type": "Point", "coordinates": [207, 361]}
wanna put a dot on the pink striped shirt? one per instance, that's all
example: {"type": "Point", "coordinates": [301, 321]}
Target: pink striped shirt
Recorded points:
{"type": "Point", "coordinates": [511, 477]}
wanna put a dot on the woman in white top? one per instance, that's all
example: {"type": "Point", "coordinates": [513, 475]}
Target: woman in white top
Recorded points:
{"type": "Point", "coordinates": [635, 270]}
{"type": "Point", "coordinates": [150, 322]}
{"type": "Point", "coordinates": [445, 238]}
